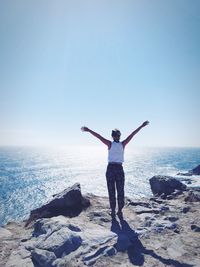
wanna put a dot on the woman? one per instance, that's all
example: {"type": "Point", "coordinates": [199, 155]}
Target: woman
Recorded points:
{"type": "Point", "coordinates": [115, 172]}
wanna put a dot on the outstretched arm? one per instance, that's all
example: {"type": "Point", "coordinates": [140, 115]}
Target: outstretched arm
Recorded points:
{"type": "Point", "coordinates": [105, 141]}
{"type": "Point", "coordinates": [128, 139]}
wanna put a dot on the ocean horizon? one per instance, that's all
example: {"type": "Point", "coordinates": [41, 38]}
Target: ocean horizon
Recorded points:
{"type": "Point", "coordinates": [29, 176]}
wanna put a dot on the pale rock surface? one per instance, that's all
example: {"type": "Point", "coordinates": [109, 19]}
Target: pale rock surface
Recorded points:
{"type": "Point", "coordinates": [154, 233]}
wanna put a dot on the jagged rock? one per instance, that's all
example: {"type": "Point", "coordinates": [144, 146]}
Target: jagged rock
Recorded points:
{"type": "Point", "coordinates": [160, 227]}
{"type": "Point", "coordinates": [99, 217]}
{"type": "Point", "coordinates": [171, 218]}
{"type": "Point", "coordinates": [157, 200]}
{"type": "Point", "coordinates": [70, 203]}
{"type": "Point", "coordinates": [139, 203]}
{"type": "Point", "coordinates": [20, 257]}
{"type": "Point", "coordinates": [173, 194]}
{"type": "Point", "coordinates": [46, 226]}
{"type": "Point", "coordinates": [43, 258]}
{"type": "Point", "coordinates": [169, 197]}
{"type": "Point", "coordinates": [195, 228]}
{"type": "Point", "coordinates": [195, 171]}
{"type": "Point", "coordinates": [193, 196]}
{"type": "Point", "coordinates": [94, 239]}
{"type": "Point", "coordinates": [4, 233]}
{"type": "Point", "coordinates": [185, 209]}
{"type": "Point", "coordinates": [149, 221]}
{"type": "Point", "coordinates": [176, 249]}
{"type": "Point", "coordinates": [140, 210]}
{"type": "Point", "coordinates": [55, 236]}
{"type": "Point", "coordinates": [91, 258]}
{"type": "Point", "coordinates": [176, 192]}
{"type": "Point", "coordinates": [165, 185]}
{"type": "Point", "coordinates": [163, 209]}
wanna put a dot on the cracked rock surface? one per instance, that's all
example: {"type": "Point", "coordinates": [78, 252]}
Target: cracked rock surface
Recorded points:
{"type": "Point", "coordinates": [154, 232]}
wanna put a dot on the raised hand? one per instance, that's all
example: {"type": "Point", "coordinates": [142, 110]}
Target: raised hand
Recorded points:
{"type": "Point", "coordinates": [84, 129]}
{"type": "Point", "coordinates": [145, 123]}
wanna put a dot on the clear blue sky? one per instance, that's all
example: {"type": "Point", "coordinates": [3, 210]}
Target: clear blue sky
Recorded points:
{"type": "Point", "coordinates": [103, 64]}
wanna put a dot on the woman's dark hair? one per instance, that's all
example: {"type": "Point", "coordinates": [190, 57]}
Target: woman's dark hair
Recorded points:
{"type": "Point", "coordinates": [115, 132]}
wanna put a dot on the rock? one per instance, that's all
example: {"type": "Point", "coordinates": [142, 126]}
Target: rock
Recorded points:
{"type": "Point", "coordinates": [4, 233]}
{"type": "Point", "coordinates": [163, 209]}
{"type": "Point", "coordinates": [139, 203]}
{"type": "Point", "coordinates": [91, 258]}
{"type": "Point", "coordinates": [176, 192]}
{"type": "Point", "coordinates": [157, 200]}
{"type": "Point", "coordinates": [97, 236]}
{"type": "Point", "coordinates": [171, 218]}
{"type": "Point", "coordinates": [20, 257]}
{"type": "Point", "coordinates": [54, 236]}
{"type": "Point", "coordinates": [193, 196]}
{"type": "Point", "coordinates": [184, 173]}
{"type": "Point", "coordinates": [176, 249]}
{"type": "Point", "coordinates": [196, 170]}
{"type": "Point", "coordinates": [140, 210]}
{"type": "Point", "coordinates": [42, 257]}
{"type": "Point", "coordinates": [61, 242]}
{"type": "Point", "coordinates": [99, 217]}
{"type": "Point", "coordinates": [161, 226]}
{"type": "Point", "coordinates": [65, 262]}
{"type": "Point", "coordinates": [165, 185]}
{"type": "Point", "coordinates": [93, 239]}
{"type": "Point", "coordinates": [185, 209]}
{"type": "Point", "coordinates": [70, 203]}
{"type": "Point", "coordinates": [54, 239]}
{"type": "Point", "coordinates": [195, 228]}
{"type": "Point", "coordinates": [169, 197]}
{"type": "Point", "coordinates": [144, 207]}
{"type": "Point", "coordinates": [46, 226]}
{"type": "Point", "coordinates": [61, 262]}
{"type": "Point", "coordinates": [149, 221]}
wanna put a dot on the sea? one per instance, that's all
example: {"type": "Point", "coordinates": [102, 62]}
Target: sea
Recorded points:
{"type": "Point", "coordinates": [29, 176]}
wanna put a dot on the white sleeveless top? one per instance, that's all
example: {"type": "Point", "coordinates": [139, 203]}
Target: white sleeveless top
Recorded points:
{"type": "Point", "coordinates": [116, 152]}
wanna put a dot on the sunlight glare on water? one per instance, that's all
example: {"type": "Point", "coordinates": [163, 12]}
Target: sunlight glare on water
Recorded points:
{"type": "Point", "coordinates": [29, 176]}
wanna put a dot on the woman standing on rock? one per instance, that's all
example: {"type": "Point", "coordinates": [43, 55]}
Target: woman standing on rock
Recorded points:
{"type": "Point", "coordinates": [115, 172]}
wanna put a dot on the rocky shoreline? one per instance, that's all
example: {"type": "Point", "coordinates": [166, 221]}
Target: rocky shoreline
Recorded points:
{"type": "Point", "coordinates": [75, 230]}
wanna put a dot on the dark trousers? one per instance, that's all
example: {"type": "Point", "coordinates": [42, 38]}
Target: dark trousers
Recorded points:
{"type": "Point", "coordinates": [115, 180]}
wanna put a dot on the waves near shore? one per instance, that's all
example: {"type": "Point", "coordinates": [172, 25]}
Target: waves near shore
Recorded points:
{"type": "Point", "coordinates": [30, 176]}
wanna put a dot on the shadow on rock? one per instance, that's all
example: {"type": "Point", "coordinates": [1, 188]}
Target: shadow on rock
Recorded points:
{"type": "Point", "coordinates": [128, 240]}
